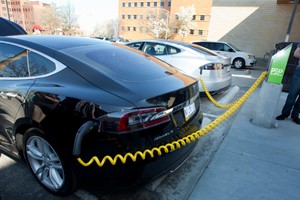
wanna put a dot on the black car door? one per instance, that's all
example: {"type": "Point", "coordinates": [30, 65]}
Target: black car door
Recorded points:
{"type": "Point", "coordinates": [14, 85]}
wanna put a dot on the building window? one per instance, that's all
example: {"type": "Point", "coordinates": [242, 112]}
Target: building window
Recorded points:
{"type": "Point", "coordinates": [169, 3]}
{"type": "Point", "coordinates": [192, 31]}
{"type": "Point", "coordinates": [162, 4]}
{"type": "Point", "coordinates": [142, 4]}
{"type": "Point", "coordinates": [200, 32]}
{"type": "Point", "coordinates": [128, 28]}
{"type": "Point", "coordinates": [128, 17]}
{"type": "Point", "coordinates": [134, 28]}
{"type": "Point", "coordinates": [135, 4]}
{"type": "Point", "coordinates": [148, 4]}
{"type": "Point", "coordinates": [176, 17]}
{"type": "Point", "coordinates": [123, 5]}
{"type": "Point", "coordinates": [175, 30]}
{"type": "Point", "coordinates": [123, 16]}
{"type": "Point", "coordinates": [202, 17]}
{"type": "Point", "coordinates": [134, 16]}
{"type": "Point", "coordinates": [194, 17]}
{"type": "Point", "coordinates": [129, 4]}
{"type": "Point", "coordinates": [155, 4]}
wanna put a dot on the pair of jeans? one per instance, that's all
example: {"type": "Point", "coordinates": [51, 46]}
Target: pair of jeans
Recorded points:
{"type": "Point", "coordinates": [292, 103]}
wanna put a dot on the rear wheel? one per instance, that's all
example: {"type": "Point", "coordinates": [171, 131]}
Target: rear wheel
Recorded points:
{"type": "Point", "coordinates": [47, 165]}
{"type": "Point", "coordinates": [239, 63]}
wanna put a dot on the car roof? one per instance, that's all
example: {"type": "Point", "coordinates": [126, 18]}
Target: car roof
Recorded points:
{"type": "Point", "coordinates": [8, 27]}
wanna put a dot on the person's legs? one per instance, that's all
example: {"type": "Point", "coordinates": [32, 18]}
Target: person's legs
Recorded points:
{"type": "Point", "coordinates": [291, 98]}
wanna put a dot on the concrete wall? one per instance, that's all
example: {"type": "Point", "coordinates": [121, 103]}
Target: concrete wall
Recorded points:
{"type": "Point", "coordinates": [253, 25]}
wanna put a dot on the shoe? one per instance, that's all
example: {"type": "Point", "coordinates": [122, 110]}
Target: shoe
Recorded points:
{"type": "Point", "coordinates": [281, 117]}
{"type": "Point", "coordinates": [296, 120]}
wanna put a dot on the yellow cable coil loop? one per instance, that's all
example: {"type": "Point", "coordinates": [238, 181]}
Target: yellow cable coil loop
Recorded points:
{"type": "Point", "coordinates": [212, 99]}
{"type": "Point", "coordinates": [181, 142]}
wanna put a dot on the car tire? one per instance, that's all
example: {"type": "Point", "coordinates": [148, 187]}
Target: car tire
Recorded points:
{"type": "Point", "coordinates": [46, 163]}
{"type": "Point", "coordinates": [239, 63]}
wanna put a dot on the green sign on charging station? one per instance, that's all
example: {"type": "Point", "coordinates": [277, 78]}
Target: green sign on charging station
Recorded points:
{"type": "Point", "coordinates": [278, 64]}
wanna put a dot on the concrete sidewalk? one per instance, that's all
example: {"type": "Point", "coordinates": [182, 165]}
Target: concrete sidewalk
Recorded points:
{"type": "Point", "coordinates": [254, 162]}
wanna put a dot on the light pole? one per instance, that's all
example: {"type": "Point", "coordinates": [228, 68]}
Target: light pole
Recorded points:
{"type": "Point", "coordinates": [291, 21]}
{"type": "Point", "coordinates": [7, 10]}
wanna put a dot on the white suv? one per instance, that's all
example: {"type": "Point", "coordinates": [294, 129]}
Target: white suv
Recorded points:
{"type": "Point", "coordinates": [239, 59]}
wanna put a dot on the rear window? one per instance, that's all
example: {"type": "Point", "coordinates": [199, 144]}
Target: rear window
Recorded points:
{"type": "Point", "coordinates": [122, 63]}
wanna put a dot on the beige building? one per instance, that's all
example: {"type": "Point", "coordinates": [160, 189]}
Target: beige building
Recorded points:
{"type": "Point", "coordinates": [251, 25]}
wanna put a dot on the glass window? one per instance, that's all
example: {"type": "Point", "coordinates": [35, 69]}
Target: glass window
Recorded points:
{"type": "Point", "coordinates": [148, 4]}
{"type": "Point", "coordinates": [129, 4]}
{"type": "Point", "coordinates": [169, 3]}
{"type": "Point", "coordinates": [200, 32]}
{"type": "Point", "coordinates": [136, 45]}
{"type": "Point", "coordinates": [134, 16]}
{"type": "Point", "coordinates": [135, 4]}
{"type": "Point", "coordinates": [162, 4]}
{"type": "Point", "coordinates": [155, 4]}
{"type": "Point", "coordinates": [123, 16]}
{"type": "Point", "coordinates": [128, 16]}
{"type": "Point", "coordinates": [172, 50]}
{"type": "Point", "coordinates": [39, 65]}
{"type": "Point", "coordinates": [123, 5]}
{"type": "Point", "coordinates": [142, 4]}
{"type": "Point", "coordinates": [13, 61]}
{"type": "Point", "coordinates": [202, 17]}
{"type": "Point", "coordinates": [192, 32]}
{"type": "Point", "coordinates": [134, 28]}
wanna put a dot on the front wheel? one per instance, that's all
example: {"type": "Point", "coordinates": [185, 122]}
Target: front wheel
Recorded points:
{"type": "Point", "coordinates": [47, 165]}
{"type": "Point", "coordinates": [239, 63]}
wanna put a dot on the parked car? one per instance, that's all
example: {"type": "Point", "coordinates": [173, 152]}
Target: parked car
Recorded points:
{"type": "Point", "coordinates": [239, 59]}
{"type": "Point", "coordinates": [192, 60]}
{"type": "Point", "coordinates": [65, 97]}
{"type": "Point", "coordinates": [10, 28]}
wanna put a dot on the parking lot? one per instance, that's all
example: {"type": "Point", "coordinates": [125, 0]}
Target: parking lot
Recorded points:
{"type": "Point", "coordinates": [17, 182]}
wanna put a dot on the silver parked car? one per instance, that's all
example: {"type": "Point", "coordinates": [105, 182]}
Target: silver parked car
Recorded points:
{"type": "Point", "coordinates": [192, 60]}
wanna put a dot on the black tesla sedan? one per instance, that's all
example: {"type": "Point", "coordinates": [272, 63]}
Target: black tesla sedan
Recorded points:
{"type": "Point", "coordinates": [64, 98]}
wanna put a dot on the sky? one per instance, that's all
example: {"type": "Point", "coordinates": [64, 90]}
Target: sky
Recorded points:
{"type": "Point", "coordinates": [91, 12]}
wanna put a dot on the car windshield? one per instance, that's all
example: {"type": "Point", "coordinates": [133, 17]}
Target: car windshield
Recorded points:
{"type": "Point", "coordinates": [234, 47]}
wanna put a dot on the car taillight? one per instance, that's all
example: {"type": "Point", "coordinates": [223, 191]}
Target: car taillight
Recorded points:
{"type": "Point", "coordinates": [135, 120]}
{"type": "Point", "coordinates": [213, 66]}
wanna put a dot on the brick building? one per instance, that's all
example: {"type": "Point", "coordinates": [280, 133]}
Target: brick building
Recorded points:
{"type": "Point", "coordinates": [252, 25]}
{"type": "Point", "coordinates": [25, 13]}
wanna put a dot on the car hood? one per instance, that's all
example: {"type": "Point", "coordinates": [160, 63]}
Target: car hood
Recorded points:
{"type": "Point", "coordinates": [245, 53]}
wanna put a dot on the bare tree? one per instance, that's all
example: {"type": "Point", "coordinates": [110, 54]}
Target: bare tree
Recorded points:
{"type": "Point", "coordinates": [105, 29]}
{"type": "Point", "coordinates": [157, 23]}
{"type": "Point", "coordinates": [69, 19]}
{"type": "Point", "coordinates": [184, 18]}
{"type": "Point", "coordinates": [53, 20]}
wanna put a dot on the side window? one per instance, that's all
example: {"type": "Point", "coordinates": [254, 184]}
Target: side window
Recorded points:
{"type": "Point", "coordinates": [227, 48]}
{"type": "Point", "coordinates": [150, 48]}
{"type": "Point", "coordinates": [13, 61]}
{"type": "Point", "coordinates": [39, 65]}
{"type": "Point", "coordinates": [136, 45]}
{"type": "Point", "coordinates": [173, 50]}
{"type": "Point", "coordinates": [221, 47]}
